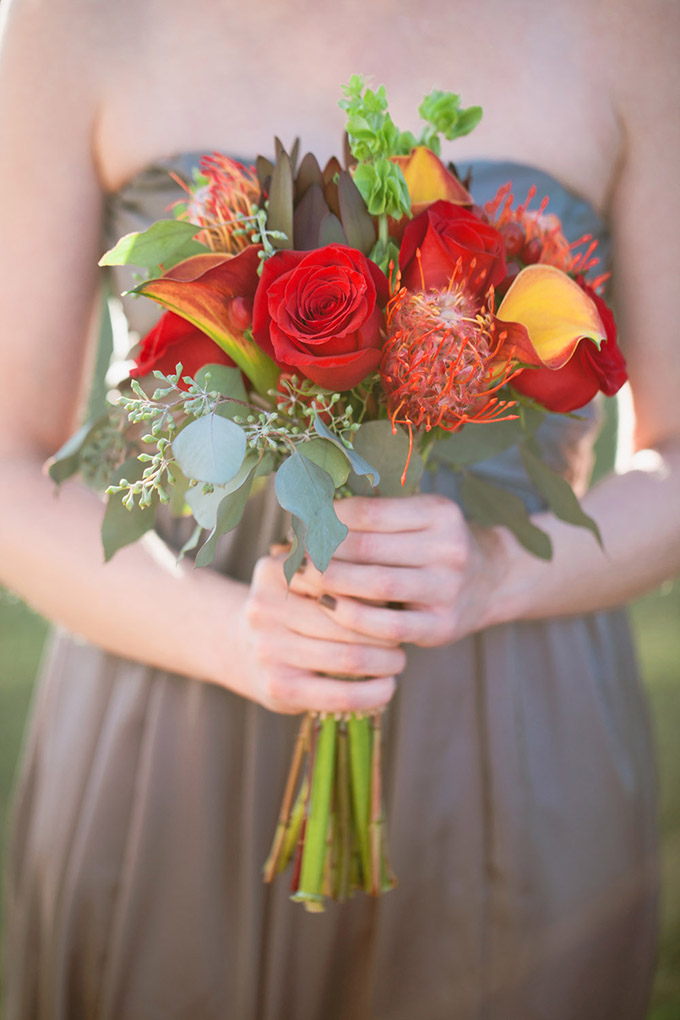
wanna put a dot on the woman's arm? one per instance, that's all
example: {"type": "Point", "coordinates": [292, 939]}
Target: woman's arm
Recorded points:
{"type": "Point", "coordinates": [140, 605]}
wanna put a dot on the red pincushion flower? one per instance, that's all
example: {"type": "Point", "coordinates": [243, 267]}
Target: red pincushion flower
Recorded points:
{"type": "Point", "coordinates": [320, 313]}
{"type": "Point", "coordinates": [174, 340]}
{"type": "Point", "coordinates": [448, 240]}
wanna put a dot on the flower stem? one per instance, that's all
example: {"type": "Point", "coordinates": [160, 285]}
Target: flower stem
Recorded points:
{"type": "Point", "coordinates": [272, 863]}
{"type": "Point", "coordinates": [314, 850]}
{"type": "Point", "coordinates": [377, 820]}
{"type": "Point", "coordinates": [360, 771]}
{"type": "Point", "coordinates": [383, 229]}
{"type": "Point", "coordinates": [343, 812]}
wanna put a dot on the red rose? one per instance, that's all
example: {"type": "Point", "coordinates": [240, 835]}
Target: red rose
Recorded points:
{"type": "Point", "coordinates": [446, 234]}
{"type": "Point", "coordinates": [172, 340]}
{"type": "Point", "coordinates": [320, 313]}
{"type": "Point", "coordinates": [587, 371]}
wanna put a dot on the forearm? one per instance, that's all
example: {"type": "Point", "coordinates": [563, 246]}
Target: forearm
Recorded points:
{"type": "Point", "coordinates": [638, 514]}
{"type": "Point", "coordinates": [140, 605]}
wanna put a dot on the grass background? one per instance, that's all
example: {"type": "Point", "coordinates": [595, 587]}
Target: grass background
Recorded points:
{"type": "Point", "coordinates": [656, 620]}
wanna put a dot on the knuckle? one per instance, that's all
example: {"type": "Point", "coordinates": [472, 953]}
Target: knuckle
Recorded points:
{"type": "Point", "coordinates": [276, 687]}
{"type": "Point", "coordinates": [254, 610]}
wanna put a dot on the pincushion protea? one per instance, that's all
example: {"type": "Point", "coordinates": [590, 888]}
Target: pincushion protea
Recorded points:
{"type": "Point", "coordinates": [443, 360]}
{"type": "Point", "coordinates": [223, 203]}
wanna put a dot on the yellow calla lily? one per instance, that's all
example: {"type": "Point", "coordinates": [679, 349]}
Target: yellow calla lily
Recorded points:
{"type": "Point", "coordinates": [555, 311]}
{"type": "Point", "coordinates": [428, 180]}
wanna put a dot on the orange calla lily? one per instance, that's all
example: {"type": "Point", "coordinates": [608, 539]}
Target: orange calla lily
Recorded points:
{"type": "Point", "coordinates": [556, 313]}
{"type": "Point", "coordinates": [428, 180]}
{"type": "Point", "coordinates": [215, 293]}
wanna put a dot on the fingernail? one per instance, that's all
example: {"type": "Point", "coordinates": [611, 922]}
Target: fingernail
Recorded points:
{"type": "Point", "coordinates": [328, 601]}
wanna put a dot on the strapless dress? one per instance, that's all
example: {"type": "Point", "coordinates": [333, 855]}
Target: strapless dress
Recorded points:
{"type": "Point", "coordinates": [520, 797]}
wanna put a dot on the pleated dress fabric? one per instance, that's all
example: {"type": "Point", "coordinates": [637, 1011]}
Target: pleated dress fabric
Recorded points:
{"type": "Point", "coordinates": [520, 792]}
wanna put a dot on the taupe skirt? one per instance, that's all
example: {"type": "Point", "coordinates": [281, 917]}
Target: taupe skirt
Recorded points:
{"type": "Point", "coordinates": [520, 788]}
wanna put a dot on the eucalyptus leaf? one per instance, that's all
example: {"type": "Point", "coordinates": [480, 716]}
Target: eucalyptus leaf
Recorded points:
{"type": "Point", "coordinates": [476, 442]}
{"type": "Point", "coordinates": [375, 442]}
{"type": "Point", "coordinates": [307, 491]}
{"type": "Point", "coordinates": [120, 526]}
{"type": "Point", "coordinates": [490, 505]}
{"type": "Point", "coordinates": [191, 543]}
{"type": "Point", "coordinates": [557, 491]}
{"type": "Point", "coordinates": [358, 464]}
{"type": "Point", "coordinates": [210, 449]}
{"type": "Point", "coordinates": [297, 551]}
{"type": "Point", "coordinates": [204, 505]}
{"type": "Point", "coordinates": [229, 514]}
{"type": "Point", "coordinates": [328, 457]}
{"type": "Point", "coordinates": [165, 242]}
{"type": "Point", "coordinates": [66, 461]}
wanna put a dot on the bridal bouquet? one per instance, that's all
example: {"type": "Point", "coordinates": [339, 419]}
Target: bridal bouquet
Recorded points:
{"type": "Point", "coordinates": [342, 328]}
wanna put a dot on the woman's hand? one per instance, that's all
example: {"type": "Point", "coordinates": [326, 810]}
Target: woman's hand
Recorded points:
{"type": "Point", "coordinates": [296, 650]}
{"type": "Point", "coordinates": [416, 552]}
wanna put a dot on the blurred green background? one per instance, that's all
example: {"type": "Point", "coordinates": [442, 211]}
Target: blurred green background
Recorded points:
{"type": "Point", "coordinates": [656, 620]}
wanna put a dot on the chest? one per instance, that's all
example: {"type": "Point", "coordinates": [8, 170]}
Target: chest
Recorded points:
{"type": "Point", "coordinates": [231, 78]}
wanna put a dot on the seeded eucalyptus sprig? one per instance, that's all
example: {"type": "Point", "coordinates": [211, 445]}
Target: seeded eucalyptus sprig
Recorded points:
{"type": "Point", "coordinates": [172, 412]}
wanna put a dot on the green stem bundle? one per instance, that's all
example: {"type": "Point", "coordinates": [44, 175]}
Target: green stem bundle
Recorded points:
{"type": "Point", "coordinates": [334, 826]}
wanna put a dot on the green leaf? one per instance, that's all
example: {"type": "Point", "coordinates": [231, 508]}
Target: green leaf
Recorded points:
{"type": "Point", "coordinates": [389, 452]}
{"type": "Point", "coordinates": [468, 121]}
{"type": "Point", "coordinates": [358, 464]}
{"type": "Point", "coordinates": [383, 188]}
{"type": "Point", "coordinates": [328, 457]}
{"type": "Point", "coordinates": [165, 242]}
{"type": "Point", "coordinates": [490, 505]}
{"type": "Point", "coordinates": [280, 212]}
{"type": "Point", "coordinates": [229, 383]}
{"type": "Point", "coordinates": [191, 543]}
{"type": "Point", "coordinates": [66, 461]}
{"type": "Point", "coordinates": [297, 551]}
{"type": "Point", "coordinates": [120, 526]}
{"type": "Point", "coordinates": [307, 491]}
{"type": "Point", "coordinates": [384, 255]}
{"type": "Point", "coordinates": [210, 449]}
{"type": "Point", "coordinates": [557, 491]}
{"type": "Point", "coordinates": [476, 442]}
{"type": "Point", "coordinates": [356, 220]}
{"type": "Point", "coordinates": [442, 110]}
{"type": "Point", "coordinates": [205, 505]}
{"type": "Point", "coordinates": [229, 514]}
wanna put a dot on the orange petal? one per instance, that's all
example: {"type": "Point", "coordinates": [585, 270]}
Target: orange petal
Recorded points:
{"type": "Point", "coordinates": [557, 314]}
{"type": "Point", "coordinates": [428, 180]}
